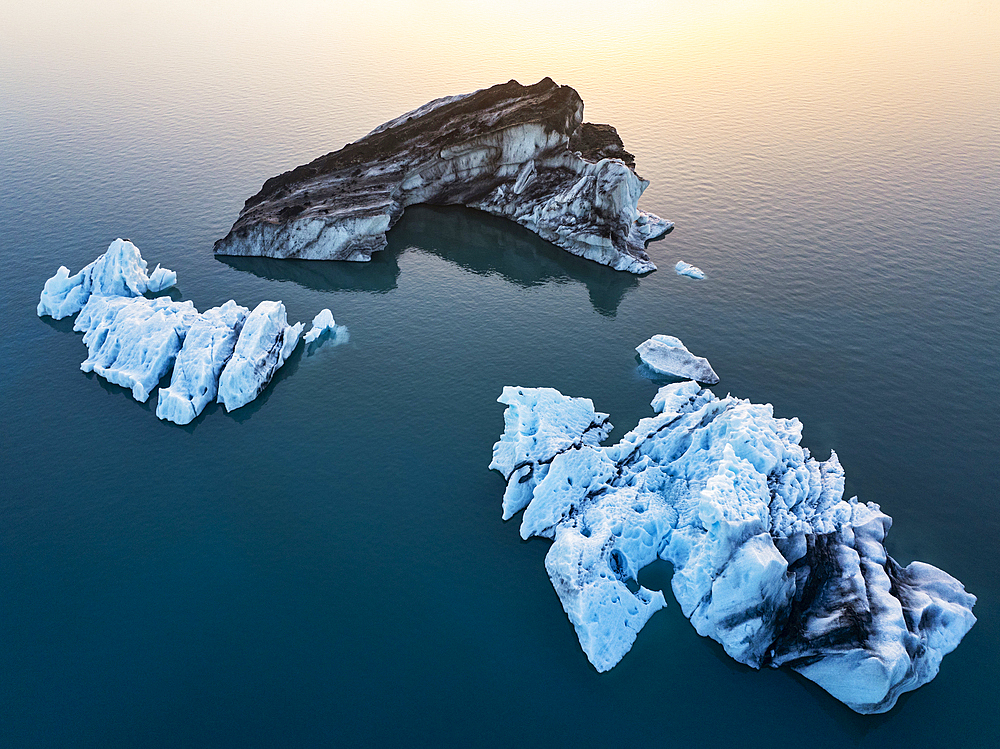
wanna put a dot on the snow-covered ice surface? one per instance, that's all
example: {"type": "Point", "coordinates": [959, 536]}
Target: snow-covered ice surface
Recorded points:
{"type": "Point", "coordinates": [769, 559]}
{"type": "Point", "coordinates": [320, 324]}
{"type": "Point", "coordinates": [208, 346]}
{"type": "Point", "coordinates": [120, 271]}
{"type": "Point", "coordinates": [686, 269]}
{"type": "Point", "coordinates": [666, 355]}
{"type": "Point", "coordinates": [265, 342]}
{"type": "Point", "coordinates": [133, 340]}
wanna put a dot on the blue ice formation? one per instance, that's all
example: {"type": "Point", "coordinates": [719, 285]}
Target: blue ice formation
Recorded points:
{"type": "Point", "coordinates": [226, 353]}
{"type": "Point", "coordinates": [769, 559]}
{"type": "Point", "coordinates": [686, 269]}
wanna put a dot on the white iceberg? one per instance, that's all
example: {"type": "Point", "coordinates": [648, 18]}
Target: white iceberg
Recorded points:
{"type": "Point", "coordinates": [207, 347]}
{"type": "Point", "coordinates": [686, 269]}
{"type": "Point", "coordinates": [666, 355]}
{"type": "Point", "coordinates": [119, 272]}
{"type": "Point", "coordinates": [320, 324]}
{"type": "Point", "coordinates": [264, 344]}
{"type": "Point", "coordinates": [132, 342]}
{"type": "Point", "coordinates": [161, 279]}
{"type": "Point", "coordinates": [769, 559]}
{"type": "Point", "coordinates": [227, 352]}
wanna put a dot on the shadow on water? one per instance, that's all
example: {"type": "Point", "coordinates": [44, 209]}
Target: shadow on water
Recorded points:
{"type": "Point", "coordinates": [473, 240]}
{"type": "Point", "coordinates": [291, 365]}
{"type": "Point", "coordinates": [375, 277]}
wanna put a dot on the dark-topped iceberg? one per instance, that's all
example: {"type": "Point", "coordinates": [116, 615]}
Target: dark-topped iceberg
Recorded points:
{"type": "Point", "coordinates": [769, 559]}
{"type": "Point", "coordinates": [521, 152]}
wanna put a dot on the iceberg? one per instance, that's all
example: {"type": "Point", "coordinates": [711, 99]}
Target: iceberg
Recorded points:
{"type": "Point", "coordinates": [686, 269]}
{"type": "Point", "coordinates": [519, 152]}
{"type": "Point", "coordinates": [320, 324]}
{"type": "Point", "coordinates": [207, 347]}
{"type": "Point", "coordinates": [160, 279]}
{"type": "Point", "coordinates": [666, 355]}
{"type": "Point", "coordinates": [132, 341]}
{"type": "Point", "coordinates": [769, 559]}
{"type": "Point", "coordinates": [120, 272]}
{"type": "Point", "coordinates": [264, 343]}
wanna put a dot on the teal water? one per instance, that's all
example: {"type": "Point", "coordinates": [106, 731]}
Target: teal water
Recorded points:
{"type": "Point", "coordinates": [327, 566]}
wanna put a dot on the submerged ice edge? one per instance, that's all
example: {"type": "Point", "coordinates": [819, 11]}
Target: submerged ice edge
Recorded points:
{"type": "Point", "coordinates": [769, 559]}
{"type": "Point", "coordinates": [227, 353]}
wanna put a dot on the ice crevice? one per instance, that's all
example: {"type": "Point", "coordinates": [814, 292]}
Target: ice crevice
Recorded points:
{"type": "Point", "coordinates": [769, 559]}
{"type": "Point", "coordinates": [228, 353]}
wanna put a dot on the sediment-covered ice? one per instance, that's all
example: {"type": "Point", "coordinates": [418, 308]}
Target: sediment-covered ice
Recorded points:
{"type": "Point", "coordinates": [320, 324]}
{"type": "Point", "coordinates": [686, 269]}
{"type": "Point", "coordinates": [132, 341]}
{"type": "Point", "coordinates": [120, 271]}
{"type": "Point", "coordinates": [769, 559]}
{"type": "Point", "coordinates": [666, 355]}
{"type": "Point", "coordinates": [265, 342]}
{"type": "Point", "coordinates": [207, 347]}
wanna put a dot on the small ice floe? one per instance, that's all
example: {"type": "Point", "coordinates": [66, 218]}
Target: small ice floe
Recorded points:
{"type": "Point", "coordinates": [666, 355]}
{"type": "Point", "coordinates": [686, 269]}
{"type": "Point", "coordinates": [120, 271]}
{"type": "Point", "coordinates": [322, 323]}
{"type": "Point", "coordinates": [161, 279]}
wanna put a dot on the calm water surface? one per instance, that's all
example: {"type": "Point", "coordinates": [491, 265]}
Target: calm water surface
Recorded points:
{"type": "Point", "coordinates": [328, 565]}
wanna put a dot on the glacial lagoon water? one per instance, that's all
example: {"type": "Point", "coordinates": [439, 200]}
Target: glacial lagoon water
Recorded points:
{"type": "Point", "coordinates": [327, 566]}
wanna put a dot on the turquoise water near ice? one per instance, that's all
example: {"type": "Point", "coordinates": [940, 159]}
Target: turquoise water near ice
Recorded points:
{"type": "Point", "coordinates": [327, 566]}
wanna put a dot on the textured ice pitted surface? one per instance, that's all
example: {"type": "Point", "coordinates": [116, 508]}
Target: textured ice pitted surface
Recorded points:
{"type": "Point", "coordinates": [207, 347]}
{"type": "Point", "coordinates": [666, 355]}
{"type": "Point", "coordinates": [120, 271]}
{"type": "Point", "coordinates": [320, 324]}
{"type": "Point", "coordinates": [769, 559]}
{"type": "Point", "coordinates": [133, 340]}
{"type": "Point", "coordinates": [265, 342]}
{"type": "Point", "coordinates": [686, 269]}
{"type": "Point", "coordinates": [522, 152]}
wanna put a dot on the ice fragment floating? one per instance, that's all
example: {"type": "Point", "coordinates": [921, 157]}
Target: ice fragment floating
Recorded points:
{"type": "Point", "coordinates": [666, 355]}
{"type": "Point", "coordinates": [227, 352]}
{"type": "Point", "coordinates": [320, 324]}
